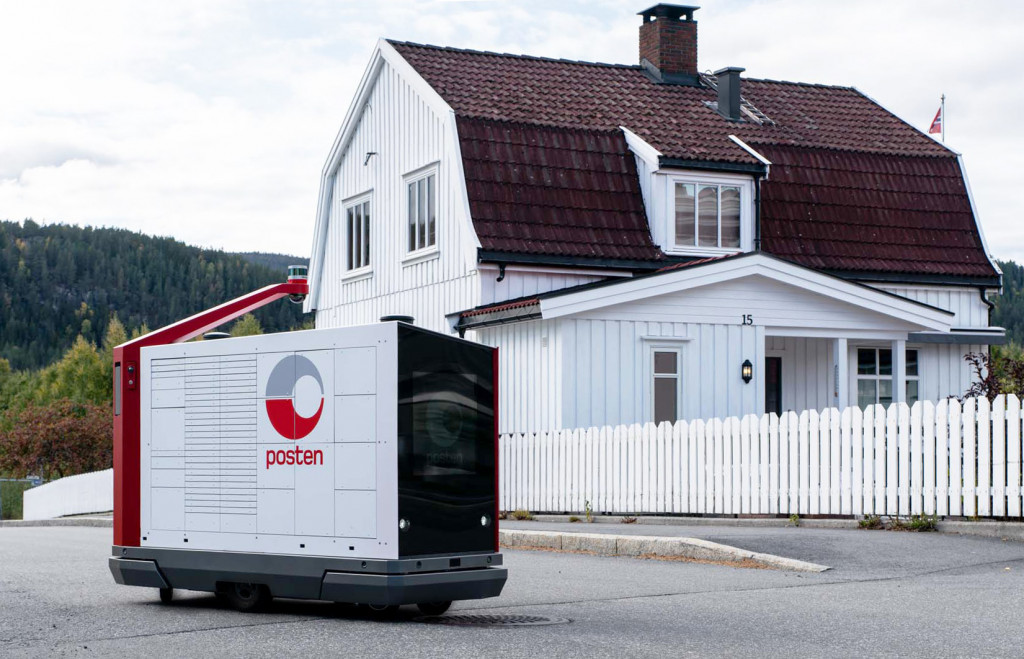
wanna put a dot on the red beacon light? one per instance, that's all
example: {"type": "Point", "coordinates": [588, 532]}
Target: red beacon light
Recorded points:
{"type": "Point", "coordinates": [297, 274]}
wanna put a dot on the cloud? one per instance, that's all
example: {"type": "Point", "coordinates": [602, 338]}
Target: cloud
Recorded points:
{"type": "Point", "coordinates": [210, 120]}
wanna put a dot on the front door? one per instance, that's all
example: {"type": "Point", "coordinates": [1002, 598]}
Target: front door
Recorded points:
{"type": "Point", "coordinates": [773, 385]}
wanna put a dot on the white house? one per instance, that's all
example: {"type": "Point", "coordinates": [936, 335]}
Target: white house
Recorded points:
{"type": "Point", "coordinates": [647, 242]}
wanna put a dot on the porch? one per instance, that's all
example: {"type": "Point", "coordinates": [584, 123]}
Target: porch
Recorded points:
{"type": "Point", "coordinates": [728, 337]}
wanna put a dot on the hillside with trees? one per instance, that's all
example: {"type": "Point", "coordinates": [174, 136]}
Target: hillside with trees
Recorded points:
{"type": "Point", "coordinates": [1009, 307]}
{"type": "Point", "coordinates": [61, 282]}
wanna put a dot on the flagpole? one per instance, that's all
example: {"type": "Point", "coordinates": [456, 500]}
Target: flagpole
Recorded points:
{"type": "Point", "coordinates": [943, 118]}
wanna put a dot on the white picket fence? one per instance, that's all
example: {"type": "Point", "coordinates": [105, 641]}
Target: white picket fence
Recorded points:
{"type": "Point", "coordinates": [944, 459]}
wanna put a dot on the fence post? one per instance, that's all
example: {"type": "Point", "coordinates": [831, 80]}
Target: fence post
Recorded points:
{"type": "Point", "coordinates": [970, 465]}
{"type": "Point", "coordinates": [814, 477]}
{"type": "Point", "coordinates": [916, 459]}
{"type": "Point", "coordinates": [941, 458]}
{"type": "Point", "coordinates": [804, 506]}
{"type": "Point", "coordinates": [999, 456]}
{"type": "Point", "coordinates": [764, 463]}
{"type": "Point", "coordinates": [835, 461]}
{"type": "Point", "coordinates": [868, 458]}
{"type": "Point", "coordinates": [1013, 456]}
{"type": "Point", "coordinates": [984, 489]}
{"type": "Point", "coordinates": [956, 504]}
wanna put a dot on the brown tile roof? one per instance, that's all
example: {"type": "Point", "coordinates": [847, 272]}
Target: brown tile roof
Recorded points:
{"type": "Point", "coordinates": [867, 212]}
{"type": "Point", "coordinates": [674, 119]}
{"type": "Point", "coordinates": [501, 306]}
{"type": "Point", "coordinates": [554, 191]}
{"type": "Point", "coordinates": [852, 187]}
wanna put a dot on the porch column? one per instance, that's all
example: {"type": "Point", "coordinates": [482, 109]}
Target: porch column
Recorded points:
{"type": "Point", "coordinates": [899, 371]}
{"type": "Point", "coordinates": [841, 374]}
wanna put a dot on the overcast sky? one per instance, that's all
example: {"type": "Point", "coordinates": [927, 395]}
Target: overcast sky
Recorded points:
{"type": "Point", "coordinates": [210, 120]}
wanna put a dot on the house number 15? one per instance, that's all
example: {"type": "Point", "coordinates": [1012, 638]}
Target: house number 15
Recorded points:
{"type": "Point", "coordinates": [748, 319]}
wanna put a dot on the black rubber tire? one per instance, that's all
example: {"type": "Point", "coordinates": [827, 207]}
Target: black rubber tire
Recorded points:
{"type": "Point", "coordinates": [433, 608]}
{"type": "Point", "coordinates": [166, 595]}
{"type": "Point", "coordinates": [247, 596]}
{"type": "Point", "coordinates": [383, 611]}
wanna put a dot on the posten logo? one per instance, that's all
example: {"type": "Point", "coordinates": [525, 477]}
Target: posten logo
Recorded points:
{"type": "Point", "coordinates": [283, 416]}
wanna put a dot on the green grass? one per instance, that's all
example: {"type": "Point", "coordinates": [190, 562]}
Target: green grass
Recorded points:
{"type": "Point", "coordinates": [10, 494]}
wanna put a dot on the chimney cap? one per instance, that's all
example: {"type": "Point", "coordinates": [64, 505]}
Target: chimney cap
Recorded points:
{"type": "Point", "coordinates": [729, 69]}
{"type": "Point", "coordinates": [669, 12]}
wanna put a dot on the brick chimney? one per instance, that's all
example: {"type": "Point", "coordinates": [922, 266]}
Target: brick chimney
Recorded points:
{"type": "Point", "coordinates": [668, 44]}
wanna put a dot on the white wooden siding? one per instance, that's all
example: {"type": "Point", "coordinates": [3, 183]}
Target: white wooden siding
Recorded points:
{"type": "Point", "coordinates": [529, 372]}
{"type": "Point", "coordinates": [807, 371]}
{"type": "Point", "coordinates": [521, 282]}
{"type": "Point", "coordinates": [428, 304]}
{"type": "Point", "coordinates": [964, 302]}
{"type": "Point", "coordinates": [904, 460]}
{"type": "Point", "coordinates": [607, 373]}
{"type": "Point", "coordinates": [770, 302]}
{"type": "Point", "coordinates": [405, 133]}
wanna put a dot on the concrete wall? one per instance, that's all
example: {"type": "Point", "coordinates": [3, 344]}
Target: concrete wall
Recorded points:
{"type": "Point", "coordinates": [74, 495]}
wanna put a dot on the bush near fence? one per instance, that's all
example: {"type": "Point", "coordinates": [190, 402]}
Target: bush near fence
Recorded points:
{"type": "Point", "coordinates": [11, 493]}
{"type": "Point", "coordinates": [949, 459]}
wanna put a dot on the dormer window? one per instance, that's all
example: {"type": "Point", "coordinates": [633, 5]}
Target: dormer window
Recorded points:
{"type": "Point", "coordinates": [709, 214]}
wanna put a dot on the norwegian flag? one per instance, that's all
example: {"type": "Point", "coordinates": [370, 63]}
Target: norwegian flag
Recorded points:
{"type": "Point", "coordinates": [936, 126]}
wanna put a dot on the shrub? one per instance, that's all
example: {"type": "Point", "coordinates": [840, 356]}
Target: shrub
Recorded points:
{"type": "Point", "coordinates": [56, 440]}
{"type": "Point", "coordinates": [628, 519]}
{"type": "Point", "coordinates": [871, 522]}
{"type": "Point", "coordinates": [924, 523]}
{"type": "Point", "coordinates": [794, 519]}
{"type": "Point", "coordinates": [918, 523]}
{"type": "Point", "coordinates": [574, 519]}
{"type": "Point", "coordinates": [522, 515]}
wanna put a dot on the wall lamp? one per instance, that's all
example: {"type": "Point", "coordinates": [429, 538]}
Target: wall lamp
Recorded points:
{"type": "Point", "coordinates": [747, 371]}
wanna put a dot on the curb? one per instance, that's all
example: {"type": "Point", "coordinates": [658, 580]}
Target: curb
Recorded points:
{"type": "Point", "coordinates": [755, 522]}
{"type": "Point", "coordinates": [982, 528]}
{"type": "Point", "coordinates": [98, 522]}
{"type": "Point", "coordinates": [1003, 530]}
{"type": "Point", "coordinates": [646, 545]}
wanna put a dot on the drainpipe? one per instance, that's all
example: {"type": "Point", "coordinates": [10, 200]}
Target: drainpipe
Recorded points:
{"type": "Point", "coordinates": [991, 305]}
{"type": "Point", "coordinates": [988, 303]}
{"type": "Point", "coordinates": [757, 213]}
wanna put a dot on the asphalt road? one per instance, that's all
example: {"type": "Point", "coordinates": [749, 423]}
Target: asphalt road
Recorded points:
{"type": "Point", "coordinates": [889, 594]}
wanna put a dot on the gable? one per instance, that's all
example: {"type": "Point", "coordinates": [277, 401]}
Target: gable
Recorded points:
{"type": "Point", "coordinates": [769, 302]}
{"type": "Point", "coordinates": [724, 272]}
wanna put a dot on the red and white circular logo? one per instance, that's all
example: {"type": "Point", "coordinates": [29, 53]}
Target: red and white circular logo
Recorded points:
{"type": "Point", "coordinates": [293, 373]}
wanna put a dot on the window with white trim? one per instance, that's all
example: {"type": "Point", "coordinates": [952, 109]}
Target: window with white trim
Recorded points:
{"type": "Point", "coordinates": [422, 210]}
{"type": "Point", "coordinates": [875, 376]}
{"type": "Point", "coordinates": [357, 233]}
{"type": "Point", "coordinates": [707, 215]}
{"type": "Point", "coordinates": [666, 385]}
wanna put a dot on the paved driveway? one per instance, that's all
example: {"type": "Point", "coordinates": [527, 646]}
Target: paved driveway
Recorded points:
{"type": "Point", "coordinates": [888, 595]}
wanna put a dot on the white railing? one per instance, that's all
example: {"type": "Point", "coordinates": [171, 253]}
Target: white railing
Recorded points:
{"type": "Point", "coordinates": [73, 495]}
{"type": "Point", "coordinates": [944, 459]}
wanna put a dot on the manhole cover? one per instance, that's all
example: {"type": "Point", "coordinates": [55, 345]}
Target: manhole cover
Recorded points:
{"type": "Point", "coordinates": [492, 620]}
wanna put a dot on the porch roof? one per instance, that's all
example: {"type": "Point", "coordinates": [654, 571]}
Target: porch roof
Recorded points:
{"type": "Point", "coordinates": [685, 276]}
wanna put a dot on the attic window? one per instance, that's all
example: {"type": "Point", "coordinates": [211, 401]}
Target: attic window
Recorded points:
{"type": "Point", "coordinates": [707, 215]}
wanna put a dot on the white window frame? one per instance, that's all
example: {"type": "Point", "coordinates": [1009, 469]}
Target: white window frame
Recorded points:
{"type": "Point", "coordinates": [877, 377]}
{"type": "Point", "coordinates": [653, 375]}
{"type": "Point", "coordinates": [426, 252]}
{"type": "Point", "coordinates": [364, 270]}
{"type": "Point", "coordinates": [746, 186]}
